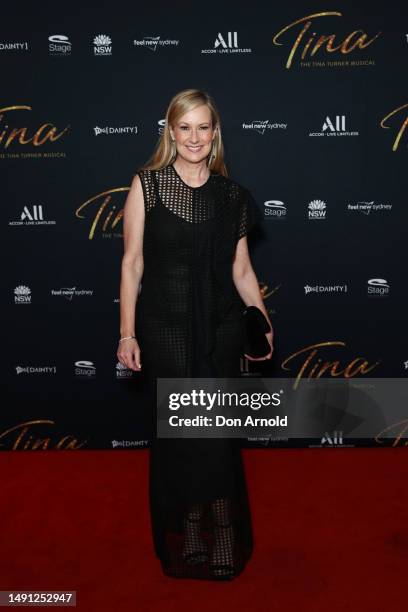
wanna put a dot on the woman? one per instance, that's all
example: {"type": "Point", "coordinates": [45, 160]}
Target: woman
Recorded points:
{"type": "Point", "coordinates": [185, 226]}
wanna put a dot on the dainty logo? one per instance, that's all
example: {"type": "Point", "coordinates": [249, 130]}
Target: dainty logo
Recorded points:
{"type": "Point", "coordinates": [128, 443]}
{"type": "Point", "coordinates": [14, 46]}
{"type": "Point", "coordinates": [109, 130]}
{"type": "Point", "coordinates": [325, 289]}
{"type": "Point", "coordinates": [36, 369]}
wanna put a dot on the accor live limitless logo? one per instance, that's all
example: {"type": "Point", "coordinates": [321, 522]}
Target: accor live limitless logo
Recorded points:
{"type": "Point", "coordinates": [306, 45]}
{"type": "Point", "coordinates": [33, 215]}
{"type": "Point", "coordinates": [334, 126]}
{"type": "Point", "coordinates": [226, 42]}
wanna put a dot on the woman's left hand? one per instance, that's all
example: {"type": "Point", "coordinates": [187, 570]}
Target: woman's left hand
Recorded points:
{"type": "Point", "coordinates": [269, 336]}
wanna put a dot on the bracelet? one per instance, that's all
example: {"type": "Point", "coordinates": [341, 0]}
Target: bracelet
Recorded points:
{"type": "Point", "coordinates": [127, 338]}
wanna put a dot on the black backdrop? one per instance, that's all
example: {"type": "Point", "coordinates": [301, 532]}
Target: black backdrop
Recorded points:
{"type": "Point", "coordinates": [319, 141]}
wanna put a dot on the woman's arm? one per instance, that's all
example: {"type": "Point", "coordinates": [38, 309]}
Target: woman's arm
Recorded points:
{"type": "Point", "coordinates": [245, 278]}
{"type": "Point", "coordinates": [247, 284]}
{"type": "Point", "coordinates": [131, 272]}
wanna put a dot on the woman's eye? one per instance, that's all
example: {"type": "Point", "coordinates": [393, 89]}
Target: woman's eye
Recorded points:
{"type": "Point", "coordinates": [185, 127]}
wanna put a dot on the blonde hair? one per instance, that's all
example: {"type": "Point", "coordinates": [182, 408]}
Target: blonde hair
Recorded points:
{"type": "Point", "coordinates": [165, 151]}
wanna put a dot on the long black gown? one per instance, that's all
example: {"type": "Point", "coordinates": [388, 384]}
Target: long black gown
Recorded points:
{"type": "Point", "coordinates": [188, 324]}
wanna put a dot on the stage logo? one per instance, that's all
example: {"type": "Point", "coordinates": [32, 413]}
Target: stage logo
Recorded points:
{"type": "Point", "coordinates": [60, 45]}
{"type": "Point", "coordinates": [275, 210]}
{"type": "Point", "coordinates": [85, 369]}
{"type": "Point", "coordinates": [378, 287]}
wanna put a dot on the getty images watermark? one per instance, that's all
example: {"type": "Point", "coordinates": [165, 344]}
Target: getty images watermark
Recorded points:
{"type": "Point", "coordinates": [217, 407]}
{"type": "Point", "coordinates": [280, 407]}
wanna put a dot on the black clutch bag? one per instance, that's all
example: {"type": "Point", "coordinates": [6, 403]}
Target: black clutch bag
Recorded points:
{"type": "Point", "coordinates": [255, 326]}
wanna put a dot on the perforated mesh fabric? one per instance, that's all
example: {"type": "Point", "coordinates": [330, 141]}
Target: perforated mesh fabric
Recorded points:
{"type": "Point", "coordinates": [189, 324]}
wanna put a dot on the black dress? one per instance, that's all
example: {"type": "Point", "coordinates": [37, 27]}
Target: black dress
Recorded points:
{"type": "Point", "coordinates": [188, 324]}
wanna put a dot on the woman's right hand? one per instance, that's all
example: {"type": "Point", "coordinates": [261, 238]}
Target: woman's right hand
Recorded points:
{"type": "Point", "coordinates": [129, 354]}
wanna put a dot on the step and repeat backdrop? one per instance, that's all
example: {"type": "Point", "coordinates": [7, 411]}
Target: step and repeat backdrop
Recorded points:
{"type": "Point", "coordinates": [314, 106]}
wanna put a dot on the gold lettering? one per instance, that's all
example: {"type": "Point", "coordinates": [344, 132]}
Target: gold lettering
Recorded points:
{"type": "Point", "coordinates": [107, 199]}
{"type": "Point", "coordinates": [399, 435]}
{"type": "Point", "coordinates": [22, 442]}
{"type": "Point", "coordinates": [361, 42]}
{"type": "Point", "coordinates": [403, 126]}
{"type": "Point", "coordinates": [45, 132]}
{"type": "Point", "coordinates": [332, 367]}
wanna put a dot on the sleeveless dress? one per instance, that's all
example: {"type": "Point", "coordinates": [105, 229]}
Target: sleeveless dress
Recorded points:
{"type": "Point", "coordinates": [188, 324]}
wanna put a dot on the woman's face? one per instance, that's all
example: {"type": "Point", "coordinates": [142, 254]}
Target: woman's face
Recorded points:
{"type": "Point", "coordinates": [194, 134]}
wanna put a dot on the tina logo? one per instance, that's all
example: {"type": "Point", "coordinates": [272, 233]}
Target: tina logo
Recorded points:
{"type": "Point", "coordinates": [311, 45]}
{"type": "Point", "coordinates": [401, 123]}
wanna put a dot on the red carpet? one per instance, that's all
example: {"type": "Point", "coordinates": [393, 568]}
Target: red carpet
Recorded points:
{"type": "Point", "coordinates": [330, 528]}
